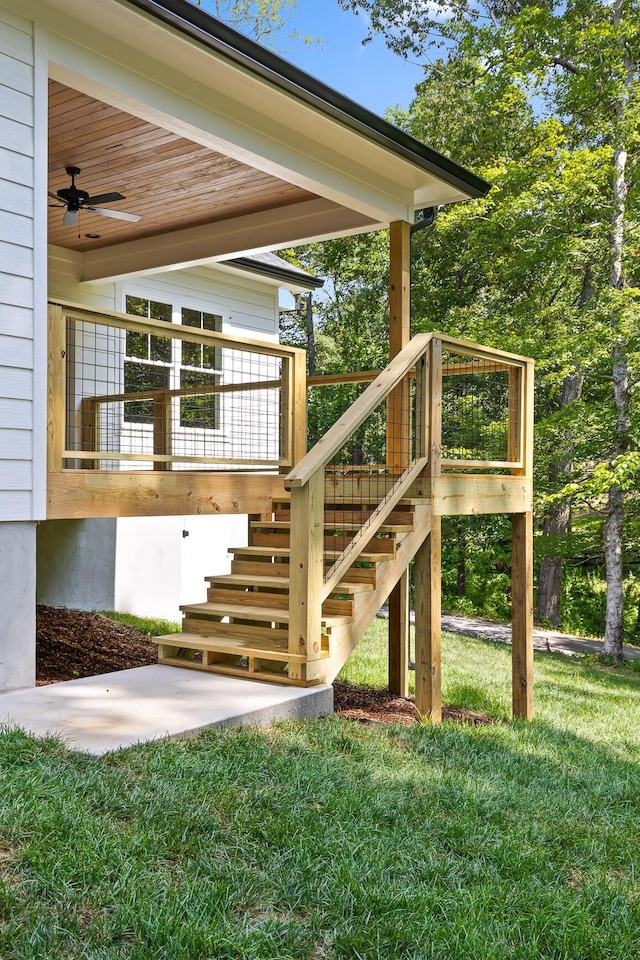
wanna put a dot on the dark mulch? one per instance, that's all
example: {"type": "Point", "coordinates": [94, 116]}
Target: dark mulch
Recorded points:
{"type": "Point", "coordinates": [381, 706]}
{"type": "Point", "coordinates": [73, 643]}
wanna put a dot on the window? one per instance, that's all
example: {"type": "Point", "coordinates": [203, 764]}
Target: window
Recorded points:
{"type": "Point", "coordinates": [200, 368]}
{"type": "Point", "coordinates": [166, 363]}
{"type": "Point", "coordinates": [148, 359]}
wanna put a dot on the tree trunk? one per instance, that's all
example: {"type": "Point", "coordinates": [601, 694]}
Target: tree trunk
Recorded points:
{"type": "Point", "coordinates": [557, 520]}
{"type": "Point", "coordinates": [311, 337]}
{"type": "Point", "coordinates": [614, 524]}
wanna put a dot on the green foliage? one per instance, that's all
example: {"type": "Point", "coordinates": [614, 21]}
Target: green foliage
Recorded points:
{"type": "Point", "coordinates": [150, 626]}
{"type": "Point", "coordinates": [583, 604]}
{"type": "Point", "coordinates": [476, 566]}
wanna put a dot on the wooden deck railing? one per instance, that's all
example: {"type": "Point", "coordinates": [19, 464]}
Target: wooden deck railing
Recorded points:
{"type": "Point", "coordinates": [245, 410]}
{"type": "Point", "coordinates": [463, 409]}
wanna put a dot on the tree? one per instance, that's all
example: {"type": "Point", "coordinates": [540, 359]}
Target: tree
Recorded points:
{"type": "Point", "coordinates": [263, 20]}
{"type": "Point", "coordinates": [574, 65]}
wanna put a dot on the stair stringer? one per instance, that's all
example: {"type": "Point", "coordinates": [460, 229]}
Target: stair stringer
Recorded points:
{"type": "Point", "coordinates": [346, 637]}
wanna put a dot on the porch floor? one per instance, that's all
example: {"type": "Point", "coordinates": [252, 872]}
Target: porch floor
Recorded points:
{"type": "Point", "coordinates": [98, 714]}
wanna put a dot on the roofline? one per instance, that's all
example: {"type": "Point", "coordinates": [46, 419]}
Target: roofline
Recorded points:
{"type": "Point", "coordinates": [234, 46]}
{"type": "Point", "coordinates": [298, 278]}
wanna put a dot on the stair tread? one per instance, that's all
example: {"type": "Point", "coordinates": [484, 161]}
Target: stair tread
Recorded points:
{"type": "Point", "coordinates": [285, 525]}
{"type": "Point", "coordinates": [285, 552]}
{"type": "Point", "coordinates": [242, 647]}
{"type": "Point", "coordinates": [244, 611]}
{"type": "Point", "coordinates": [240, 579]}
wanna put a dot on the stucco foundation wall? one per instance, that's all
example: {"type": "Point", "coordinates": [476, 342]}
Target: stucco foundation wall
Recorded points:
{"type": "Point", "coordinates": [75, 566]}
{"type": "Point", "coordinates": [17, 609]}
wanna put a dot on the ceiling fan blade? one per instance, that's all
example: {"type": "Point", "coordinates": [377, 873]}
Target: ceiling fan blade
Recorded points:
{"type": "Point", "coordinates": [54, 196]}
{"type": "Point", "coordinates": [103, 198]}
{"type": "Point", "coordinates": [116, 214]}
{"type": "Point", "coordinates": [71, 218]}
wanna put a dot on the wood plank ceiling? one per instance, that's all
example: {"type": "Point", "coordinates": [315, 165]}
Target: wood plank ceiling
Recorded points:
{"type": "Point", "coordinates": [170, 182]}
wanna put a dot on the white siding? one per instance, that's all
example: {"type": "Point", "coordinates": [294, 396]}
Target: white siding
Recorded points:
{"type": "Point", "coordinates": [17, 241]}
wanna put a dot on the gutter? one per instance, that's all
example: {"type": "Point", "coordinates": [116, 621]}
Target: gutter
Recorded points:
{"type": "Point", "coordinates": [301, 279]}
{"type": "Point", "coordinates": [235, 47]}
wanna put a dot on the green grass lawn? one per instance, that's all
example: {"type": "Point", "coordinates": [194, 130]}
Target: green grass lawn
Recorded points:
{"type": "Point", "coordinates": [325, 839]}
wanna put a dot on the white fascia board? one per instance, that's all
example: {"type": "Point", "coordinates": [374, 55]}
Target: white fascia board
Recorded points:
{"type": "Point", "coordinates": [305, 222]}
{"type": "Point", "coordinates": [220, 105]}
{"type": "Point", "coordinates": [245, 274]}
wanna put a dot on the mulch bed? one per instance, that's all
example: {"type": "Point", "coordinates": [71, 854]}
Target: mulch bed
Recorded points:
{"type": "Point", "coordinates": [73, 643]}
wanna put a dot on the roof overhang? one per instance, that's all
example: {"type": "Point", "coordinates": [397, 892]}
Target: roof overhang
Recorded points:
{"type": "Point", "coordinates": [329, 167]}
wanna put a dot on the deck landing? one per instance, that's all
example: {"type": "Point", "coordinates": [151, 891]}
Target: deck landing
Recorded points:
{"type": "Point", "coordinates": [99, 714]}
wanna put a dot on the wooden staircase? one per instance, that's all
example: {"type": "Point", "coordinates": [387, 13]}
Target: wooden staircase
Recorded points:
{"type": "Point", "coordinates": [242, 628]}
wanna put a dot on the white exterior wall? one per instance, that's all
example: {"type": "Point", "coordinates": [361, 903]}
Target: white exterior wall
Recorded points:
{"type": "Point", "coordinates": [155, 568]}
{"type": "Point", "coordinates": [17, 269]}
{"type": "Point", "coordinates": [22, 346]}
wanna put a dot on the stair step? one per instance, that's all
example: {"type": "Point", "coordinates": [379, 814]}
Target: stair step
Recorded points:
{"type": "Point", "coordinates": [276, 583]}
{"type": "Point", "coordinates": [222, 593]}
{"type": "Point", "coordinates": [263, 565]}
{"type": "Point", "coordinates": [243, 611]}
{"type": "Point", "coordinates": [266, 551]}
{"type": "Point", "coordinates": [347, 526]}
{"type": "Point", "coordinates": [250, 631]}
{"type": "Point", "coordinates": [337, 544]}
{"type": "Point", "coordinates": [235, 647]}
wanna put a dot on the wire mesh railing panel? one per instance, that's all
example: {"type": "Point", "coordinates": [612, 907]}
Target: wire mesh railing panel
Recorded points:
{"type": "Point", "coordinates": [480, 411]}
{"type": "Point", "coordinates": [361, 474]}
{"type": "Point", "coordinates": [138, 401]}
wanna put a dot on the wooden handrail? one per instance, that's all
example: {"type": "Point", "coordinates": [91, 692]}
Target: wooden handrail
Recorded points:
{"type": "Point", "coordinates": [467, 349]}
{"type": "Point", "coordinates": [366, 403]}
{"type": "Point", "coordinates": [161, 328]}
{"type": "Point", "coordinates": [335, 379]}
{"type": "Point", "coordinates": [204, 390]}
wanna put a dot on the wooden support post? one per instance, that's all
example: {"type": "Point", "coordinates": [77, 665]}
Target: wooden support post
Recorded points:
{"type": "Point", "coordinates": [56, 387]}
{"type": "Point", "coordinates": [89, 433]}
{"type": "Point", "coordinates": [427, 567]}
{"type": "Point", "coordinates": [399, 434]}
{"type": "Point", "coordinates": [428, 613]}
{"type": "Point", "coordinates": [522, 564]}
{"type": "Point", "coordinates": [297, 415]}
{"type": "Point", "coordinates": [398, 404]}
{"type": "Point", "coordinates": [306, 571]}
{"type": "Point", "coordinates": [399, 654]}
{"type": "Point", "coordinates": [522, 614]}
{"type": "Point", "coordinates": [516, 378]}
{"type": "Point", "coordinates": [162, 429]}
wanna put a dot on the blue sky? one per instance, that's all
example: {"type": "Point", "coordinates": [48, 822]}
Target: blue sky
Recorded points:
{"type": "Point", "coordinates": [371, 75]}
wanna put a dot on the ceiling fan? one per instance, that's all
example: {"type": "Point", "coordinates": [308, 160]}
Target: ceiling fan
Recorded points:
{"type": "Point", "coordinates": [76, 200]}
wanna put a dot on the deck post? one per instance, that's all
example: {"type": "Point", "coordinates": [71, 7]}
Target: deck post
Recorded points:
{"type": "Point", "coordinates": [522, 564]}
{"type": "Point", "coordinates": [428, 613]}
{"type": "Point", "coordinates": [56, 387]}
{"type": "Point", "coordinates": [427, 572]}
{"type": "Point", "coordinates": [162, 433]}
{"type": "Point", "coordinates": [297, 418]}
{"type": "Point", "coordinates": [522, 614]}
{"type": "Point", "coordinates": [399, 439]}
{"type": "Point", "coordinates": [306, 572]}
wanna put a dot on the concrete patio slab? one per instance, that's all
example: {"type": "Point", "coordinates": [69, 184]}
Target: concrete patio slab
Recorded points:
{"type": "Point", "coordinates": [115, 710]}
